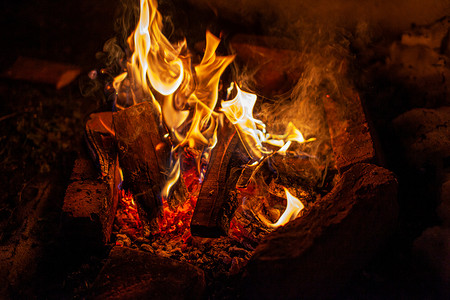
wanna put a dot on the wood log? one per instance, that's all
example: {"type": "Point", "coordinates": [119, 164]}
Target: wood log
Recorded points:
{"type": "Point", "coordinates": [275, 65]}
{"type": "Point", "coordinates": [300, 169]}
{"type": "Point", "coordinates": [42, 71]}
{"type": "Point", "coordinates": [144, 158]}
{"type": "Point", "coordinates": [90, 205]}
{"type": "Point", "coordinates": [142, 154]}
{"type": "Point", "coordinates": [315, 255]}
{"type": "Point", "coordinates": [350, 134]}
{"type": "Point", "coordinates": [99, 136]}
{"type": "Point", "coordinates": [217, 200]}
{"type": "Point", "coordinates": [134, 274]}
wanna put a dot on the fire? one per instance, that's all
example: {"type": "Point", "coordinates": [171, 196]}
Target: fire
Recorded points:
{"type": "Point", "coordinates": [293, 208]}
{"type": "Point", "coordinates": [186, 98]}
{"type": "Point", "coordinates": [253, 131]}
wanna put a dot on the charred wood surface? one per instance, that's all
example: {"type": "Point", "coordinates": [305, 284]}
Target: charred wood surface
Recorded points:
{"type": "Point", "coordinates": [90, 204]}
{"type": "Point", "coordinates": [350, 134]}
{"type": "Point", "coordinates": [217, 200]}
{"type": "Point", "coordinates": [134, 274]}
{"type": "Point", "coordinates": [142, 154]}
{"type": "Point", "coordinates": [316, 254]}
{"type": "Point", "coordinates": [100, 140]}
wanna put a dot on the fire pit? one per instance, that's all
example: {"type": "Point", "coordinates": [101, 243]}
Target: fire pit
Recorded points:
{"type": "Point", "coordinates": [202, 189]}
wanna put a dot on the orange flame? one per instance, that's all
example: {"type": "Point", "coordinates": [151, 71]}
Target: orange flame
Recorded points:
{"type": "Point", "coordinates": [161, 72]}
{"type": "Point", "coordinates": [253, 131]}
{"type": "Point", "coordinates": [293, 208]}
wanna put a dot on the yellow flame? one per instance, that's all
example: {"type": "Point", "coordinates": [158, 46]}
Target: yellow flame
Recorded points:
{"type": "Point", "coordinates": [171, 180]}
{"type": "Point", "coordinates": [203, 129]}
{"type": "Point", "coordinates": [251, 131]}
{"type": "Point", "coordinates": [293, 208]}
{"type": "Point", "coordinates": [161, 71]}
{"type": "Point", "coordinates": [154, 58]}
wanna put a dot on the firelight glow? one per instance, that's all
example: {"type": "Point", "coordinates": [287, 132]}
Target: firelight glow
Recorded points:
{"type": "Point", "coordinates": [161, 72]}
{"type": "Point", "coordinates": [253, 131]}
{"type": "Point", "coordinates": [293, 208]}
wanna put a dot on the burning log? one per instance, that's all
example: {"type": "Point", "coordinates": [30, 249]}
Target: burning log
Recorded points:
{"type": "Point", "coordinates": [350, 133]}
{"type": "Point", "coordinates": [90, 204]}
{"type": "Point", "coordinates": [41, 71]}
{"type": "Point", "coordinates": [134, 274]}
{"type": "Point", "coordinates": [217, 200]}
{"type": "Point", "coordinates": [314, 255]}
{"type": "Point", "coordinates": [143, 156]}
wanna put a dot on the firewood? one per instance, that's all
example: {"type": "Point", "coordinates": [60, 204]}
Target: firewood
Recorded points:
{"type": "Point", "coordinates": [217, 200]}
{"type": "Point", "coordinates": [90, 205]}
{"type": "Point", "coordinates": [295, 168]}
{"type": "Point", "coordinates": [317, 253]}
{"type": "Point", "coordinates": [275, 66]}
{"type": "Point", "coordinates": [133, 274]}
{"type": "Point", "coordinates": [350, 134]}
{"type": "Point", "coordinates": [142, 154]}
{"type": "Point", "coordinates": [42, 71]}
{"type": "Point", "coordinates": [100, 139]}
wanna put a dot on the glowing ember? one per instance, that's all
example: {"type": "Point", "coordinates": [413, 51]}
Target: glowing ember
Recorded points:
{"type": "Point", "coordinates": [179, 220]}
{"type": "Point", "coordinates": [127, 216]}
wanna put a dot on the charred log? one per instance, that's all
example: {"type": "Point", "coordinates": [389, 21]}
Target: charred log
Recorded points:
{"type": "Point", "coordinates": [90, 205]}
{"type": "Point", "coordinates": [134, 274]}
{"type": "Point", "coordinates": [141, 155]}
{"type": "Point", "coordinates": [217, 200]}
{"type": "Point", "coordinates": [100, 140]}
{"type": "Point", "coordinates": [144, 157]}
{"type": "Point", "coordinates": [313, 256]}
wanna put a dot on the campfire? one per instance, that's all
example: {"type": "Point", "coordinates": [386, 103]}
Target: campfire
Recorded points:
{"type": "Point", "coordinates": [196, 168]}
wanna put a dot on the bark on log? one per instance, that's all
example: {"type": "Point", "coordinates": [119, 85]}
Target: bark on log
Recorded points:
{"type": "Point", "coordinates": [134, 274]}
{"type": "Point", "coordinates": [300, 169]}
{"type": "Point", "coordinates": [313, 256]}
{"type": "Point", "coordinates": [142, 155]}
{"type": "Point", "coordinates": [350, 134]}
{"type": "Point", "coordinates": [101, 142]}
{"type": "Point", "coordinates": [217, 200]}
{"type": "Point", "coordinates": [90, 205]}
{"type": "Point", "coordinates": [41, 71]}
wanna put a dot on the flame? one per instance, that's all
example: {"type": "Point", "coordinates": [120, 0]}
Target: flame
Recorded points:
{"type": "Point", "coordinates": [293, 208]}
{"type": "Point", "coordinates": [161, 72]}
{"type": "Point", "coordinates": [253, 131]}
{"type": "Point", "coordinates": [154, 58]}
{"type": "Point", "coordinates": [186, 98]}
{"type": "Point", "coordinates": [172, 179]}
{"type": "Point", "coordinates": [203, 129]}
